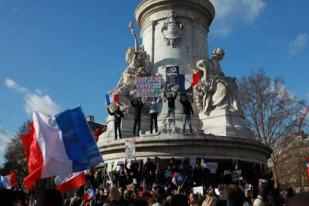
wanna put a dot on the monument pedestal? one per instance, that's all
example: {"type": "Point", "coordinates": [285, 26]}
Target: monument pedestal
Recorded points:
{"type": "Point", "coordinates": [224, 122]}
{"type": "Point", "coordinates": [179, 146]}
{"type": "Point", "coordinates": [175, 38]}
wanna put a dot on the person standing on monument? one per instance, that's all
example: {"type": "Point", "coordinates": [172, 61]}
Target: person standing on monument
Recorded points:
{"type": "Point", "coordinates": [154, 110]}
{"type": "Point", "coordinates": [137, 104]}
{"type": "Point", "coordinates": [171, 97]}
{"type": "Point", "coordinates": [115, 110]}
{"type": "Point", "coordinates": [187, 112]}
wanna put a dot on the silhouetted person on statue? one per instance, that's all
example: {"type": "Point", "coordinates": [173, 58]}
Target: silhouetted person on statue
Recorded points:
{"type": "Point", "coordinates": [171, 104]}
{"type": "Point", "coordinates": [118, 114]}
{"type": "Point", "coordinates": [187, 112]}
{"type": "Point", "coordinates": [154, 110]}
{"type": "Point", "coordinates": [138, 106]}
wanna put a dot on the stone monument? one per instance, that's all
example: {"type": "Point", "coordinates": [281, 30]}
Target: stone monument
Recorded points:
{"type": "Point", "coordinates": [175, 42]}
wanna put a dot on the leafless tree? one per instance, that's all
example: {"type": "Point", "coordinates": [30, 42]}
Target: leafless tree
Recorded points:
{"type": "Point", "coordinates": [15, 159]}
{"type": "Point", "coordinates": [271, 110]}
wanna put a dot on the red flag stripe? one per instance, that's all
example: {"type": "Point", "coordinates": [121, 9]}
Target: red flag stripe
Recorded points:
{"type": "Point", "coordinates": [196, 77]}
{"type": "Point", "coordinates": [27, 140]}
{"type": "Point", "coordinates": [13, 179]}
{"type": "Point", "coordinates": [72, 184]}
{"type": "Point", "coordinates": [34, 156]}
{"type": "Point", "coordinates": [116, 98]}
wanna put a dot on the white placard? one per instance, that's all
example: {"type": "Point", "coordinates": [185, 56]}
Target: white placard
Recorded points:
{"type": "Point", "coordinates": [130, 149]}
{"type": "Point", "coordinates": [198, 190]}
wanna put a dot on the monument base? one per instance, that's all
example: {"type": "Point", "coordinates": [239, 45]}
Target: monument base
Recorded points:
{"type": "Point", "coordinates": [186, 146]}
{"type": "Point", "coordinates": [223, 122]}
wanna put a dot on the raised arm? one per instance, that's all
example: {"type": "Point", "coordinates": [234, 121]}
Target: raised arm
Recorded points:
{"type": "Point", "coordinates": [109, 112]}
{"type": "Point", "coordinates": [158, 99]}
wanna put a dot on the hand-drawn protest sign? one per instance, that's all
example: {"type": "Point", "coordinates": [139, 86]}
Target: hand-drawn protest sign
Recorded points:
{"type": "Point", "coordinates": [148, 86]}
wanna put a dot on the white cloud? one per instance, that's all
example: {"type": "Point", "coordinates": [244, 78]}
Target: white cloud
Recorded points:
{"type": "Point", "coordinates": [5, 137]}
{"type": "Point", "coordinates": [41, 103]}
{"type": "Point", "coordinates": [233, 12]}
{"type": "Point", "coordinates": [11, 84]}
{"type": "Point", "coordinates": [34, 100]}
{"type": "Point", "coordinates": [298, 44]}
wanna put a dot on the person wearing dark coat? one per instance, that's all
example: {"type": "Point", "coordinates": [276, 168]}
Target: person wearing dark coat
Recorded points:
{"type": "Point", "coordinates": [138, 106]}
{"type": "Point", "coordinates": [154, 110]}
{"type": "Point", "coordinates": [187, 113]}
{"type": "Point", "coordinates": [171, 98]}
{"type": "Point", "coordinates": [118, 114]}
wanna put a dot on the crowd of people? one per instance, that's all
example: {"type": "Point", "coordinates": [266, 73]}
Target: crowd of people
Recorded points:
{"type": "Point", "coordinates": [155, 183]}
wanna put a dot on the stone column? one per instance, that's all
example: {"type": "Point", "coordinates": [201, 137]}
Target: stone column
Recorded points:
{"type": "Point", "coordinates": [175, 32]}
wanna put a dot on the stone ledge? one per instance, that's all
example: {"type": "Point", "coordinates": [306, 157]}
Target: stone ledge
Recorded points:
{"type": "Point", "coordinates": [178, 145]}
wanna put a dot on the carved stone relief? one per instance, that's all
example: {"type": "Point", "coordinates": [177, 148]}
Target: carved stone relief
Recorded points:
{"type": "Point", "coordinates": [172, 31]}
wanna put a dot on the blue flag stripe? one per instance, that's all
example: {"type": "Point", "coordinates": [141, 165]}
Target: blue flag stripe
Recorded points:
{"type": "Point", "coordinates": [107, 98]}
{"type": "Point", "coordinates": [78, 141]}
{"type": "Point", "coordinates": [181, 82]}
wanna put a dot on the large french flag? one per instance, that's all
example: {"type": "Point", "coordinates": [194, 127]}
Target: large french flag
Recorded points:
{"type": "Point", "coordinates": [57, 145]}
{"type": "Point", "coordinates": [9, 182]}
{"type": "Point", "coordinates": [69, 182]}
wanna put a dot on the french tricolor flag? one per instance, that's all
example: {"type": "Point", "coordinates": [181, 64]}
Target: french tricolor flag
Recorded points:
{"type": "Point", "coordinates": [69, 182]}
{"type": "Point", "coordinates": [60, 144]}
{"type": "Point", "coordinates": [178, 179]}
{"type": "Point", "coordinates": [187, 81]}
{"type": "Point", "coordinates": [9, 182]}
{"type": "Point", "coordinates": [111, 99]}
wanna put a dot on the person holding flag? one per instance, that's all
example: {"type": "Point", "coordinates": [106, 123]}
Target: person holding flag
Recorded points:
{"type": "Point", "coordinates": [115, 110]}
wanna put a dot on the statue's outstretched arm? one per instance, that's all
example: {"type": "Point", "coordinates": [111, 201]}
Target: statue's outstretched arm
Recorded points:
{"type": "Point", "coordinates": [202, 65]}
